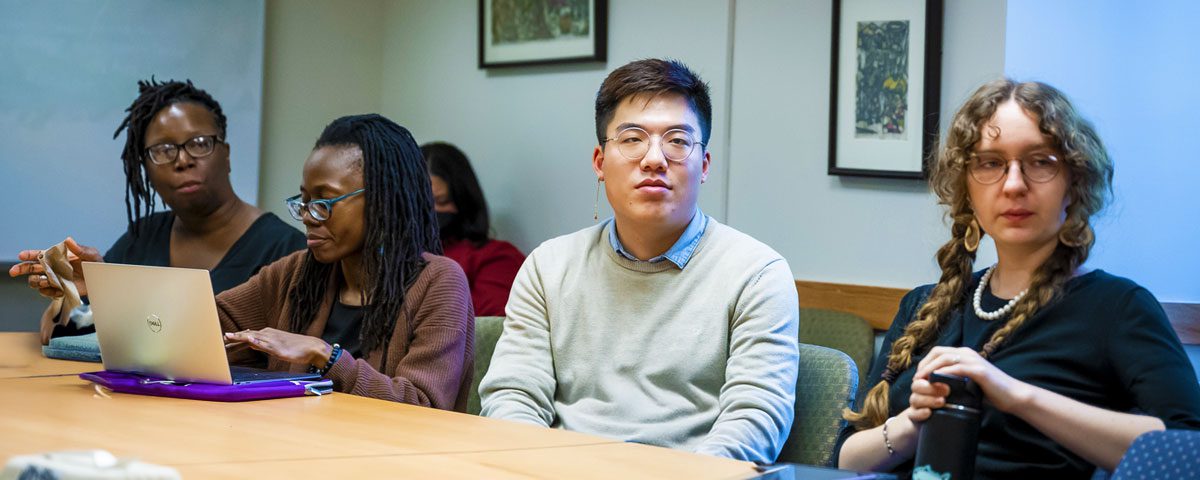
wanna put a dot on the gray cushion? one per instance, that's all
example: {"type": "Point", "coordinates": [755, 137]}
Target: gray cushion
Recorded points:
{"type": "Point", "coordinates": [826, 384]}
{"type": "Point", "coordinates": [487, 332]}
{"type": "Point", "coordinates": [842, 331]}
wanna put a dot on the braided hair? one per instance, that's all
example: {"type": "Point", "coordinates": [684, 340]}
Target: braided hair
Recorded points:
{"type": "Point", "coordinates": [400, 226]}
{"type": "Point", "coordinates": [153, 96]}
{"type": "Point", "coordinates": [1091, 171]}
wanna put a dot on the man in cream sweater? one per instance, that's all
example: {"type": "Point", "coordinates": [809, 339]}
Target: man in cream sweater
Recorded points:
{"type": "Point", "coordinates": [661, 325]}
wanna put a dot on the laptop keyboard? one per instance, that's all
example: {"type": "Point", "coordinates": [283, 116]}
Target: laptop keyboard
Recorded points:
{"type": "Point", "coordinates": [253, 375]}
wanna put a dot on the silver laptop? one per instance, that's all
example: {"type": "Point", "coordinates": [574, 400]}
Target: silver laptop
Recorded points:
{"type": "Point", "coordinates": [162, 322]}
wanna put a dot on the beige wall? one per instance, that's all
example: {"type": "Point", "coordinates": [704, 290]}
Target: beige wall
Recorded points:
{"type": "Point", "coordinates": [322, 60]}
{"type": "Point", "coordinates": [529, 132]}
{"type": "Point", "coordinates": [881, 232]}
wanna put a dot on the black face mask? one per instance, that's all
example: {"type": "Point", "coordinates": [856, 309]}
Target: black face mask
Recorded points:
{"type": "Point", "coordinates": [444, 219]}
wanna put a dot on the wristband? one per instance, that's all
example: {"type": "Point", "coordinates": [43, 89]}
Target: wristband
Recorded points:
{"type": "Point", "coordinates": [333, 358]}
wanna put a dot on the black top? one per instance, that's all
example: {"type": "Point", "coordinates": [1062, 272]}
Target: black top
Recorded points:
{"type": "Point", "coordinates": [268, 239]}
{"type": "Point", "coordinates": [1106, 342]}
{"type": "Point", "coordinates": [343, 327]}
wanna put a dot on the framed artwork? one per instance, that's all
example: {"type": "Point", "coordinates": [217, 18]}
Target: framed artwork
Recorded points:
{"type": "Point", "coordinates": [885, 84]}
{"type": "Point", "coordinates": [517, 33]}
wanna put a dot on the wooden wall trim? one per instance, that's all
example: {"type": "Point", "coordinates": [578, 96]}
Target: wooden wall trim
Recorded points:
{"type": "Point", "coordinates": [877, 305]}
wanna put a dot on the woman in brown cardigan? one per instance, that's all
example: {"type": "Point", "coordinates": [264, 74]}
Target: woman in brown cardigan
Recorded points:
{"type": "Point", "coordinates": [367, 304]}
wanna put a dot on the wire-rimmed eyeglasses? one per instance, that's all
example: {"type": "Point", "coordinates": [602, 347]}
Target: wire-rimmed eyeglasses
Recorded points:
{"type": "Point", "coordinates": [634, 143]}
{"type": "Point", "coordinates": [988, 168]}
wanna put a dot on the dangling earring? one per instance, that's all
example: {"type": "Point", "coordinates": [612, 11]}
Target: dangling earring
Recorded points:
{"type": "Point", "coordinates": [972, 237]}
{"type": "Point", "coordinates": [596, 205]}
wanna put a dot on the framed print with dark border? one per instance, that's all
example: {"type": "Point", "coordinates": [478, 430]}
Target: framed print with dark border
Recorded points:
{"type": "Point", "coordinates": [885, 84]}
{"type": "Point", "coordinates": [517, 33]}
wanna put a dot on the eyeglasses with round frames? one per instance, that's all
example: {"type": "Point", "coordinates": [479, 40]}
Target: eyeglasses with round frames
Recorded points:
{"type": "Point", "coordinates": [198, 147]}
{"type": "Point", "coordinates": [989, 168]}
{"type": "Point", "coordinates": [634, 143]}
{"type": "Point", "coordinates": [319, 210]}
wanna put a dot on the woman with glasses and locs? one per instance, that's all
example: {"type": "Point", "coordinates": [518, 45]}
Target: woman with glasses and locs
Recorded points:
{"type": "Point", "coordinates": [369, 305]}
{"type": "Point", "coordinates": [175, 149]}
{"type": "Point", "coordinates": [1073, 363]}
{"type": "Point", "coordinates": [491, 265]}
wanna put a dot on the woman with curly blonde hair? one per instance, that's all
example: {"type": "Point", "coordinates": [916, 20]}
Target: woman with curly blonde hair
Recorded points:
{"type": "Point", "coordinates": [1073, 364]}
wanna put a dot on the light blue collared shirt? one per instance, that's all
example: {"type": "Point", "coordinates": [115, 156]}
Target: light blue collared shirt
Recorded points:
{"type": "Point", "coordinates": [680, 253]}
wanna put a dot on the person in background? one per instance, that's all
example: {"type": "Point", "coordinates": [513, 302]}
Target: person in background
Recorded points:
{"type": "Point", "coordinates": [660, 325]}
{"type": "Point", "coordinates": [175, 151]}
{"type": "Point", "coordinates": [1073, 363]}
{"type": "Point", "coordinates": [369, 305]}
{"type": "Point", "coordinates": [490, 264]}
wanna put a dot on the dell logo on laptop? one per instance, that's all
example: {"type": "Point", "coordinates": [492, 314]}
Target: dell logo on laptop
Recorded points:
{"type": "Point", "coordinates": [154, 323]}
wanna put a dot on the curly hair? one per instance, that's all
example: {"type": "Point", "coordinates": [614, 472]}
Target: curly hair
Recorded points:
{"type": "Point", "coordinates": [1090, 188]}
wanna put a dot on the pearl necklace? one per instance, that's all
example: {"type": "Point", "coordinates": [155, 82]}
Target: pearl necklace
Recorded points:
{"type": "Point", "coordinates": [979, 295]}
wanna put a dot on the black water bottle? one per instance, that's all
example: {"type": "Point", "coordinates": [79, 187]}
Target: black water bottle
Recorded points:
{"type": "Point", "coordinates": [946, 446]}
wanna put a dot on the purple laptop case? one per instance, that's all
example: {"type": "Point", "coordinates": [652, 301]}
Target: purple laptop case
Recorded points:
{"type": "Point", "coordinates": [141, 385]}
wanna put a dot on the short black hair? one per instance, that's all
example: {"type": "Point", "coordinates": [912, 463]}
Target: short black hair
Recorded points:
{"type": "Point", "coordinates": [153, 96]}
{"type": "Point", "coordinates": [400, 226]}
{"type": "Point", "coordinates": [653, 77]}
{"type": "Point", "coordinates": [451, 164]}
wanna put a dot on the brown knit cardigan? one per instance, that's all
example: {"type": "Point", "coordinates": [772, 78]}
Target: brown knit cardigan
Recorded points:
{"type": "Point", "coordinates": [429, 364]}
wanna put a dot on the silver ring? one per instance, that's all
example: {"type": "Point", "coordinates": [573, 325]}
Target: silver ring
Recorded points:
{"type": "Point", "coordinates": [955, 359]}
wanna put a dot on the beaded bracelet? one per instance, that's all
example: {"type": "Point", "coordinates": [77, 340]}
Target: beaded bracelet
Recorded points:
{"type": "Point", "coordinates": [887, 443]}
{"type": "Point", "coordinates": [333, 358]}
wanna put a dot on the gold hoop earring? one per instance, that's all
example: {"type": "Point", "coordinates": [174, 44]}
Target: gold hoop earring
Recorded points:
{"type": "Point", "coordinates": [972, 237]}
{"type": "Point", "coordinates": [596, 205]}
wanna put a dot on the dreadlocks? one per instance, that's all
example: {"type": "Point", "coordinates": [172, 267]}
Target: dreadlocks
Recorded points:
{"type": "Point", "coordinates": [400, 225]}
{"type": "Point", "coordinates": [153, 96]}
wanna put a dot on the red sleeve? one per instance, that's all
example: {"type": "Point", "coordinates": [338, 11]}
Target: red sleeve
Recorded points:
{"type": "Point", "coordinates": [497, 266]}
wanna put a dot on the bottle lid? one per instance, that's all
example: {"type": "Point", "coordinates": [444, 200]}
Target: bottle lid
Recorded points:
{"type": "Point", "coordinates": [962, 390]}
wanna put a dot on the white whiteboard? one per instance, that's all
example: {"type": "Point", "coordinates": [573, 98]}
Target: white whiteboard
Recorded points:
{"type": "Point", "coordinates": [68, 71]}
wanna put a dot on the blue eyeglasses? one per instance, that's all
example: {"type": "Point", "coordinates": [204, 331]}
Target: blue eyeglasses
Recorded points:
{"type": "Point", "coordinates": [319, 210]}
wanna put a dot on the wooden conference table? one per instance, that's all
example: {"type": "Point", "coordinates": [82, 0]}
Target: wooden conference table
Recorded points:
{"type": "Point", "coordinates": [46, 407]}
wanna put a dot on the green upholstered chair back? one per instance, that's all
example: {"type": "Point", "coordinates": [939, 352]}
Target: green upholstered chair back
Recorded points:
{"type": "Point", "coordinates": [826, 383]}
{"type": "Point", "coordinates": [487, 332]}
{"type": "Point", "coordinates": [842, 331]}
